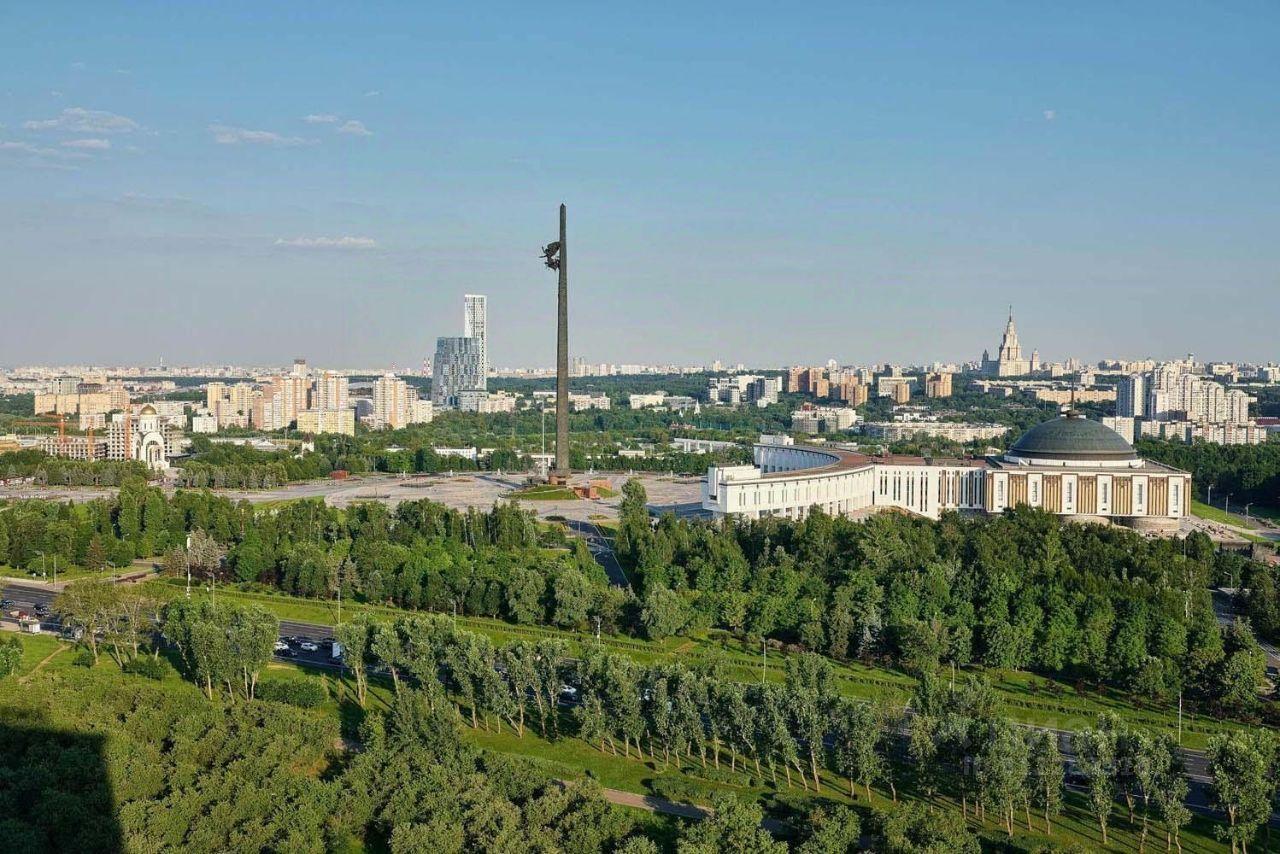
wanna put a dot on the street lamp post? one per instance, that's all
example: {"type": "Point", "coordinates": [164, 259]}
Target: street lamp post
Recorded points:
{"type": "Point", "coordinates": [1247, 505]}
{"type": "Point", "coordinates": [43, 572]}
{"type": "Point", "coordinates": [1226, 503]}
{"type": "Point", "coordinates": [188, 566]}
{"type": "Point", "coordinates": [1209, 498]}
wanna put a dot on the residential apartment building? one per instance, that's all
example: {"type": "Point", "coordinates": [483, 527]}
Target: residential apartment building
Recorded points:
{"type": "Point", "coordinates": [937, 385]}
{"type": "Point", "coordinates": [341, 421]}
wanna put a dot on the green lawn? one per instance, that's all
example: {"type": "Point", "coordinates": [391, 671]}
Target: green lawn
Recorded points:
{"type": "Point", "coordinates": [1026, 698]}
{"type": "Point", "coordinates": [545, 492]}
{"type": "Point", "coordinates": [36, 648]}
{"type": "Point", "coordinates": [1217, 514]}
{"type": "Point", "coordinates": [74, 573]}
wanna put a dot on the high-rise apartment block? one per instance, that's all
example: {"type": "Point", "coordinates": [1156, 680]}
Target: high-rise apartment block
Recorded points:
{"type": "Point", "coordinates": [937, 385]}
{"type": "Point", "coordinates": [331, 391]}
{"type": "Point", "coordinates": [392, 403]}
{"type": "Point", "coordinates": [1175, 400]}
{"type": "Point", "coordinates": [1131, 397]}
{"type": "Point", "coordinates": [475, 324]}
{"type": "Point", "coordinates": [462, 364]}
{"type": "Point", "coordinates": [459, 367]}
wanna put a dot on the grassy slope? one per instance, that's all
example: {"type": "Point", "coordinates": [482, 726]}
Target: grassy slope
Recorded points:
{"type": "Point", "coordinates": [1026, 698]}
{"type": "Point", "coordinates": [1217, 514]}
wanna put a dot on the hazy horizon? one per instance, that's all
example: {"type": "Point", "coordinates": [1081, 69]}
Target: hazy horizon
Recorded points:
{"type": "Point", "coordinates": [241, 185]}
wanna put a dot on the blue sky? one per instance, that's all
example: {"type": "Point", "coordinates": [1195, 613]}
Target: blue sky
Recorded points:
{"type": "Point", "coordinates": [768, 183]}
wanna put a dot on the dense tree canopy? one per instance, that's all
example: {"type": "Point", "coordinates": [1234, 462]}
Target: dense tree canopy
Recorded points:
{"type": "Point", "coordinates": [1022, 591]}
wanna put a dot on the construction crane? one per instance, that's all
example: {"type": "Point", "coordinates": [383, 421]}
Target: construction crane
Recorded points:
{"type": "Point", "coordinates": [48, 421]}
{"type": "Point", "coordinates": [60, 419]}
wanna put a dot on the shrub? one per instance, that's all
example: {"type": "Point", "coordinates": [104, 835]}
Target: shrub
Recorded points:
{"type": "Point", "coordinates": [151, 668]}
{"type": "Point", "coordinates": [83, 658]}
{"type": "Point", "coordinates": [676, 789]}
{"type": "Point", "coordinates": [724, 775]}
{"type": "Point", "coordinates": [303, 693]}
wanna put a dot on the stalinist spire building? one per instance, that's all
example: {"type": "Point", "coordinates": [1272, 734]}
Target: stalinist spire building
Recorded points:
{"type": "Point", "coordinates": [1009, 362]}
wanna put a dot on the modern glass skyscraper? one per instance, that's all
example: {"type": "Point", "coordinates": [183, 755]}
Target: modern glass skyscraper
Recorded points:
{"type": "Point", "coordinates": [458, 368]}
{"type": "Point", "coordinates": [475, 322]}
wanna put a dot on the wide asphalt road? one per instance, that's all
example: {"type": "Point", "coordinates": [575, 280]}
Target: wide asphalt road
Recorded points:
{"type": "Point", "coordinates": [600, 548]}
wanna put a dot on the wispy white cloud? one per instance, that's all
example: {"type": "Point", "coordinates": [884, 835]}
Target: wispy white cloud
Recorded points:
{"type": "Point", "coordinates": [94, 144]}
{"type": "Point", "coordinates": [372, 93]}
{"type": "Point", "coordinates": [320, 119]}
{"type": "Point", "coordinates": [25, 147]}
{"type": "Point", "coordinates": [166, 205]}
{"type": "Point", "coordinates": [1050, 115]}
{"type": "Point", "coordinates": [229, 135]}
{"type": "Point", "coordinates": [355, 128]}
{"type": "Point", "coordinates": [39, 155]}
{"type": "Point", "coordinates": [80, 120]}
{"type": "Point", "coordinates": [346, 242]}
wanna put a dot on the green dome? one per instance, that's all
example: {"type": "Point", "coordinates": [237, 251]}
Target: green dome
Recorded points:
{"type": "Point", "coordinates": [1072, 437]}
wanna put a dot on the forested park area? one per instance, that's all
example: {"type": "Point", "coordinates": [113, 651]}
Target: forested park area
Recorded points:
{"type": "Point", "coordinates": [1099, 605]}
{"type": "Point", "coordinates": [928, 615]}
{"type": "Point", "coordinates": [186, 735]}
{"type": "Point", "coordinates": [1246, 473]}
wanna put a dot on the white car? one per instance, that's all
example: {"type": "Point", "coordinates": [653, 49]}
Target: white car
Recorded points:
{"type": "Point", "coordinates": [281, 646]}
{"type": "Point", "coordinates": [308, 646]}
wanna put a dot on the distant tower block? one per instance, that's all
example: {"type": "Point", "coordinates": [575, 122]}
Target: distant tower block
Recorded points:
{"type": "Point", "coordinates": [556, 256]}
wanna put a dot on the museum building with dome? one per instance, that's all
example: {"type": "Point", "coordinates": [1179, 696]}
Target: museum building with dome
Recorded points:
{"type": "Point", "coordinates": [1069, 465]}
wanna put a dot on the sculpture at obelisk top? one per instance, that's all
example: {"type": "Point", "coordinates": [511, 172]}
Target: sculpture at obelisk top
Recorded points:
{"type": "Point", "coordinates": [556, 256]}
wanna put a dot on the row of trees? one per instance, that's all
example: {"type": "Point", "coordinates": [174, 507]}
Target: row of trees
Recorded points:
{"type": "Point", "coordinates": [422, 555]}
{"type": "Point", "coordinates": [1021, 591]}
{"type": "Point", "coordinates": [950, 735]}
{"type": "Point", "coordinates": [673, 715]}
{"type": "Point", "coordinates": [52, 471]}
{"type": "Point", "coordinates": [1248, 473]}
{"type": "Point", "coordinates": [139, 521]}
{"type": "Point", "coordinates": [221, 646]}
{"type": "Point", "coordinates": [121, 619]}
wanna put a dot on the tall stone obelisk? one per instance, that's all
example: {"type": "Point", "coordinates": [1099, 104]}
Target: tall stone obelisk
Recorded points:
{"type": "Point", "coordinates": [562, 357]}
{"type": "Point", "coordinates": [557, 258]}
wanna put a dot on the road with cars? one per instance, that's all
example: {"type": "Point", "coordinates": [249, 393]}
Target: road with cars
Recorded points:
{"type": "Point", "coordinates": [601, 549]}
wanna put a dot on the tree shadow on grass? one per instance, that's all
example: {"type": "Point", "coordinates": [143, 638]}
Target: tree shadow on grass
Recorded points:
{"type": "Point", "coordinates": [55, 791]}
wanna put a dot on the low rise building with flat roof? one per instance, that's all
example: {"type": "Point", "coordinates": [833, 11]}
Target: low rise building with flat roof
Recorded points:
{"type": "Point", "coordinates": [1069, 466]}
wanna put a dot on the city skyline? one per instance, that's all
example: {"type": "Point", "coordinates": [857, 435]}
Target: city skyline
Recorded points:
{"type": "Point", "coordinates": [192, 186]}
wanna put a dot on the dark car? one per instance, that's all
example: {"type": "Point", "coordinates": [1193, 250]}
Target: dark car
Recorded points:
{"type": "Point", "coordinates": [287, 653]}
{"type": "Point", "coordinates": [41, 608]}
